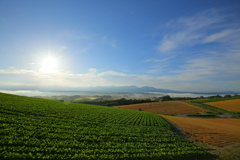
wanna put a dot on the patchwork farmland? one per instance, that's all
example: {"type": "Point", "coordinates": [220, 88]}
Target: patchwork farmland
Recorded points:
{"type": "Point", "coordinates": [33, 128]}
{"type": "Point", "coordinates": [169, 107]}
{"type": "Point", "coordinates": [221, 135]}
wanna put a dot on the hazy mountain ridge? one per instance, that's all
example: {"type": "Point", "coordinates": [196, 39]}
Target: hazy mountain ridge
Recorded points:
{"type": "Point", "coordinates": [110, 89]}
{"type": "Point", "coordinates": [134, 88]}
{"type": "Point", "coordinates": [124, 89]}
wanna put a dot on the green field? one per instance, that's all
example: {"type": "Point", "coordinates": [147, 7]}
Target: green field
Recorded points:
{"type": "Point", "coordinates": [34, 128]}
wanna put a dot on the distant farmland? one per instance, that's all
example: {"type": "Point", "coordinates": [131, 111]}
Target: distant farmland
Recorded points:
{"type": "Point", "coordinates": [228, 105]}
{"type": "Point", "coordinates": [170, 107]}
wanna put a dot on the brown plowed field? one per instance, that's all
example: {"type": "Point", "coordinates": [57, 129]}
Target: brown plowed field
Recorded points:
{"type": "Point", "coordinates": [215, 131]}
{"type": "Point", "coordinates": [170, 107]}
{"type": "Point", "coordinates": [228, 105]}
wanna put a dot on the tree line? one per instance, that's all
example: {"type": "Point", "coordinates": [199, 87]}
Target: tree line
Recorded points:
{"type": "Point", "coordinates": [124, 101]}
{"type": "Point", "coordinates": [118, 102]}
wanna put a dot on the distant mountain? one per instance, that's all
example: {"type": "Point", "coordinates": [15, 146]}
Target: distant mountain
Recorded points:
{"type": "Point", "coordinates": [138, 89]}
{"type": "Point", "coordinates": [109, 89]}
{"type": "Point", "coordinates": [215, 93]}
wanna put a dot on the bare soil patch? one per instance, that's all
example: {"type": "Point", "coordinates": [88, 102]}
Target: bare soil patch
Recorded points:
{"type": "Point", "coordinates": [218, 132]}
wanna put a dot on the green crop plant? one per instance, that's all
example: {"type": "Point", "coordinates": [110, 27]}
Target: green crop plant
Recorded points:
{"type": "Point", "coordinates": [34, 128]}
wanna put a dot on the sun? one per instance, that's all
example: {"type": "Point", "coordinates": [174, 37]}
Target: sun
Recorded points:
{"type": "Point", "coordinates": [49, 65]}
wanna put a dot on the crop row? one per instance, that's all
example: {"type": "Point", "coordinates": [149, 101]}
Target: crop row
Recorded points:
{"type": "Point", "coordinates": [33, 128]}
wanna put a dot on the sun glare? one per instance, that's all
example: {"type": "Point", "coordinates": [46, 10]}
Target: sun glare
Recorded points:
{"type": "Point", "coordinates": [49, 65]}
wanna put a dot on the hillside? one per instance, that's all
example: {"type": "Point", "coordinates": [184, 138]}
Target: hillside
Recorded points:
{"type": "Point", "coordinates": [34, 128]}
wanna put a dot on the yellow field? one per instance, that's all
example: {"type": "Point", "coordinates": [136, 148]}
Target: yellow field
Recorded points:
{"type": "Point", "coordinates": [169, 107]}
{"type": "Point", "coordinates": [228, 105]}
{"type": "Point", "coordinates": [215, 131]}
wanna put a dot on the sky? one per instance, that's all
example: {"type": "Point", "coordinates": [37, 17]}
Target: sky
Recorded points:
{"type": "Point", "coordinates": [179, 45]}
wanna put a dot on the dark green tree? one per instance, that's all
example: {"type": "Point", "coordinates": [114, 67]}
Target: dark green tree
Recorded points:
{"type": "Point", "coordinates": [166, 98]}
{"type": "Point", "coordinates": [227, 96]}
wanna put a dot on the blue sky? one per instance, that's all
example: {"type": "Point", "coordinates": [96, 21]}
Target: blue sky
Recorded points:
{"type": "Point", "coordinates": [180, 45]}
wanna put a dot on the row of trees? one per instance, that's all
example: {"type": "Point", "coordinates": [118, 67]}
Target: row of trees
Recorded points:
{"type": "Point", "coordinates": [225, 96]}
{"type": "Point", "coordinates": [168, 98]}
{"type": "Point", "coordinates": [124, 101]}
{"type": "Point", "coordinates": [117, 102]}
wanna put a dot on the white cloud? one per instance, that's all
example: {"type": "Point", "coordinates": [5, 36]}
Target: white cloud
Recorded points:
{"type": "Point", "coordinates": [178, 40]}
{"type": "Point", "coordinates": [186, 77]}
{"type": "Point", "coordinates": [223, 68]}
{"type": "Point", "coordinates": [223, 36]}
{"type": "Point", "coordinates": [200, 20]}
{"type": "Point", "coordinates": [167, 44]}
{"type": "Point", "coordinates": [206, 49]}
{"type": "Point", "coordinates": [198, 29]}
{"type": "Point", "coordinates": [159, 60]}
{"type": "Point", "coordinates": [113, 73]}
{"type": "Point", "coordinates": [16, 71]}
{"type": "Point", "coordinates": [160, 65]}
